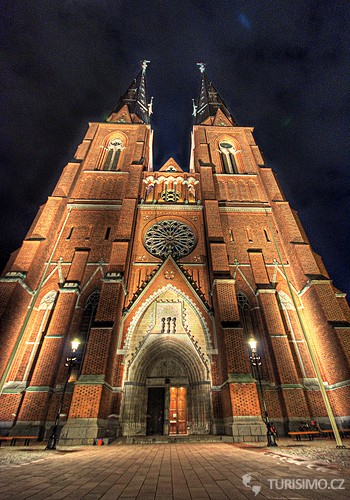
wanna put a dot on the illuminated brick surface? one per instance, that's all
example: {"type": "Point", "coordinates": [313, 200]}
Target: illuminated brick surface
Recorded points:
{"type": "Point", "coordinates": [166, 323]}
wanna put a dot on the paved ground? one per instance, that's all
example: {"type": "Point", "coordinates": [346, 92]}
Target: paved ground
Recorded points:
{"type": "Point", "coordinates": [186, 471]}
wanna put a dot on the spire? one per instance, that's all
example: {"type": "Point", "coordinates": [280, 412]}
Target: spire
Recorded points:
{"type": "Point", "coordinates": [133, 106]}
{"type": "Point", "coordinates": [209, 102]}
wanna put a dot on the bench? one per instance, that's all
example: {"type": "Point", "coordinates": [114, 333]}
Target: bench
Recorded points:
{"type": "Point", "coordinates": [13, 439]}
{"type": "Point", "coordinates": [328, 433]}
{"type": "Point", "coordinates": [322, 433]}
{"type": "Point", "coordinates": [308, 434]}
{"type": "Point", "coordinates": [343, 432]}
{"type": "Point", "coordinates": [5, 438]}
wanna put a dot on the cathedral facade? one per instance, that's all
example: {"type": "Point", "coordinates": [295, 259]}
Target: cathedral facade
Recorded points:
{"type": "Point", "coordinates": [164, 276]}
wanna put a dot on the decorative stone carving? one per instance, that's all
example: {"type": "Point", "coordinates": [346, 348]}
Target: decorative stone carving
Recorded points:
{"type": "Point", "coordinates": [169, 237]}
{"type": "Point", "coordinates": [169, 275]}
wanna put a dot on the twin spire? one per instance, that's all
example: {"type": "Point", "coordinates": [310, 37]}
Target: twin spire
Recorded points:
{"type": "Point", "coordinates": [133, 106]}
{"type": "Point", "coordinates": [205, 110]}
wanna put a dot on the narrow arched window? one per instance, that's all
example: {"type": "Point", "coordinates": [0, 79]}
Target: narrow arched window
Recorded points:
{"type": "Point", "coordinates": [89, 232]}
{"type": "Point", "coordinates": [32, 348]}
{"type": "Point", "coordinates": [293, 328]}
{"type": "Point", "coordinates": [249, 234]}
{"type": "Point", "coordinates": [69, 235]}
{"type": "Point", "coordinates": [87, 320]}
{"type": "Point", "coordinates": [114, 149]}
{"type": "Point", "coordinates": [245, 313]}
{"type": "Point", "coordinates": [228, 159]}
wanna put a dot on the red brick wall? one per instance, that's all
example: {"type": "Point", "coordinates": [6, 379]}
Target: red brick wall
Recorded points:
{"type": "Point", "coordinates": [86, 401]}
{"type": "Point", "coordinates": [233, 225]}
{"type": "Point", "coordinates": [11, 319]}
{"type": "Point", "coordinates": [9, 406]}
{"type": "Point", "coordinates": [244, 399]}
{"type": "Point", "coordinates": [236, 351]}
{"type": "Point", "coordinates": [214, 231]}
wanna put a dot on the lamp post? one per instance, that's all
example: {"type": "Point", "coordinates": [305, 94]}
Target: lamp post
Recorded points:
{"type": "Point", "coordinates": [255, 360]}
{"type": "Point", "coordinates": [51, 444]}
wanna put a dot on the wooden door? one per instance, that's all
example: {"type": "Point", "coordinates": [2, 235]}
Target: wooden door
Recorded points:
{"type": "Point", "coordinates": [177, 410]}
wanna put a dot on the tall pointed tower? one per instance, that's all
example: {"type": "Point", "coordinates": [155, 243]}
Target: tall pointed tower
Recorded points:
{"type": "Point", "coordinates": [266, 284]}
{"type": "Point", "coordinates": [69, 279]}
{"type": "Point", "coordinates": [164, 276]}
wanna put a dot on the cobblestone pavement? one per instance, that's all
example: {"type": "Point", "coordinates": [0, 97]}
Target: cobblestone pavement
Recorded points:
{"type": "Point", "coordinates": [185, 471]}
{"type": "Point", "coordinates": [317, 451]}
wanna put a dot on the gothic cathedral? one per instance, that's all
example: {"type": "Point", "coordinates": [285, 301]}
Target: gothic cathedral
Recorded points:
{"type": "Point", "coordinates": [165, 275]}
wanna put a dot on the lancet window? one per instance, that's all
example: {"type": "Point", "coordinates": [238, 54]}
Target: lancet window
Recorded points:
{"type": "Point", "coordinates": [292, 326]}
{"type": "Point", "coordinates": [245, 313]}
{"type": "Point", "coordinates": [88, 318]}
{"type": "Point", "coordinates": [45, 309]}
{"type": "Point", "coordinates": [114, 150]}
{"type": "Point", "coordinates": [228, 159]}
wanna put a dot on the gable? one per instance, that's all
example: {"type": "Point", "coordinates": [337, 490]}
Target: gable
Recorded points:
{"type": "Point", "coordinates": [122, 116]}
{"type": "Point", "coordinates": [171, 273]}
{"type": "Point", "coordinates": [171, 166]}
{"type": "Point", "coordinates": [221, 120]}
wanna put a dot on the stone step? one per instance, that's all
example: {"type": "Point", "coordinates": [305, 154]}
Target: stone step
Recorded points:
{"type": "Point", "coordinates": [173, 439]}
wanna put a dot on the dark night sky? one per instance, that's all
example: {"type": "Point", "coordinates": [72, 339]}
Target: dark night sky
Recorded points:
{"type": "Point", "coordinates": [281, 66]}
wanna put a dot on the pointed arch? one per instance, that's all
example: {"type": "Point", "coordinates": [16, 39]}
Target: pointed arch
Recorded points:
{"type": "Point", "coordinates": [47, 302]}
{"type": "Point", "coordinates": [166, 360]}
{"type": "Point", "coordinates": [157, 349]}
{"type": "Point", "coordinates": [253, 191]}
{"type": "Point", "coordinates": [111, 151]}
{"type": "Point", "coordinates": [285, 301]}
{"type": "Point", "coordinates": [232, 191]}
{"type": "Point", "coordinates": [245, 313]}
{"type": "Point", "coordinates": [30, 344]}
{"type": "Point", "coordinates": [87, 319]}
{"type": "Point", "coordinates": [242, 190]}
{"type": "Point", "coordinates": [292, 325]}
{"type": "Point", "coordinates": [230, 154]}
{"type": "Point", "coordinates": [223, 190]}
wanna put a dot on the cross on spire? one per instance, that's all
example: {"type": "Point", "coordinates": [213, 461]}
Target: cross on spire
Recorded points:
{"type": "Point", "coordinates": [144, 64]}
{"type": "Point", "coordinates": [201, 67]}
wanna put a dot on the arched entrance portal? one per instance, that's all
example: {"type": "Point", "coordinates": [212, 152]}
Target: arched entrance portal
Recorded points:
{"type": "Point", "coordinates": [167, 389]}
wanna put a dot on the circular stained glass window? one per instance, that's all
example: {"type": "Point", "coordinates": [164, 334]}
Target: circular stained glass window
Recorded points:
{"type": "Point", "coordinates": [170, 237]}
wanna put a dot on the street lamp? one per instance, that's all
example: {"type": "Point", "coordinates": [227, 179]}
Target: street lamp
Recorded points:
{"type": "Point", "coordinates": [51, 444]}
{"type": "Point", "coordinates": [255, 360]}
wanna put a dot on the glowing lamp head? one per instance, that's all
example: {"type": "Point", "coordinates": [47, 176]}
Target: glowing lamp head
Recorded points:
{"type": "Point", "coordinates": [75, 344]}
{"type": "Point", "coordinates": [253, 344]}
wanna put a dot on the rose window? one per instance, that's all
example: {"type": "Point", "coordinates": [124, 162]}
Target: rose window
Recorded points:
{"type": "Point", "coordinates": [170, 237]}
